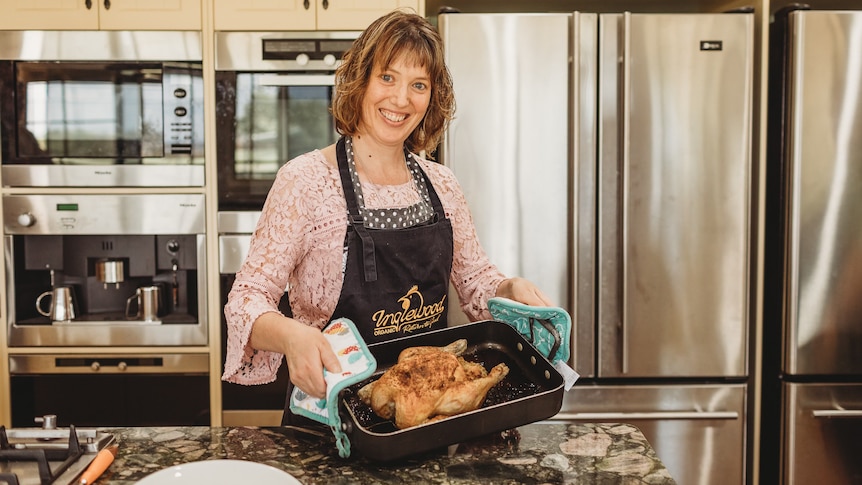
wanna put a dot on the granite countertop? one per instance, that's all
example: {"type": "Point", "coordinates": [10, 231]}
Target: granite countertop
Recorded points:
{"type": "Point", "coordinates": [537, 453]}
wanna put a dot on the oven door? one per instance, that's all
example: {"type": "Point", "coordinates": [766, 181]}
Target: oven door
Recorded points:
{"type": "Point", "coordinates": [111, 389]}
{"type": "Point", "coordinates": [263, 120]}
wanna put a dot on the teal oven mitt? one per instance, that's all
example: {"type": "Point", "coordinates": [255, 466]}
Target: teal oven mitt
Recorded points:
{"type": "Point", "coordinates": [357, 364]}
{"type": "Point", "coordinates": [549, 329]}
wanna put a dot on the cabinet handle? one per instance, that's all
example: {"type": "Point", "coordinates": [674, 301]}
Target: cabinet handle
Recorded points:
{"type": "Point", "coordinates": [107, 4]}
{"type": "Point", "coordinates": [88, 4]}
{"type": "Point", "coordinates": [306, 4]}
{"type": "Point", "coordinates": [325, 4]}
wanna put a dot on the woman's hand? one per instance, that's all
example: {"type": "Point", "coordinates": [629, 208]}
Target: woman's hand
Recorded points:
{"type": "Point", "coordinates": [523, 291]}
{"type": "Point", "coordinates": [304, 347]}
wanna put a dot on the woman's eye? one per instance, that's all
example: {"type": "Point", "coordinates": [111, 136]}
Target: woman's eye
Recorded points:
{"type": "Point", "coordinates": [386, 77]}
{"type": "Point", "coordinates": [420, 86]}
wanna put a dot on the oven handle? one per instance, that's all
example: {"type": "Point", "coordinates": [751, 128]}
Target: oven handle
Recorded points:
{"type": "Point", "coordinates": [297, 80]}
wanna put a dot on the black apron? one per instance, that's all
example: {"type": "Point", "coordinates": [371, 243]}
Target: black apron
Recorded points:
{"type": "Point", "coordinates": [396, 281]}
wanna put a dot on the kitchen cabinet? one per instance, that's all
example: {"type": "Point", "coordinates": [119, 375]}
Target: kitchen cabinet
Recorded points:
{"type": "Point", "coordinates": [303, 14]}
{"type": "Point", "coordinates": [100, 14]}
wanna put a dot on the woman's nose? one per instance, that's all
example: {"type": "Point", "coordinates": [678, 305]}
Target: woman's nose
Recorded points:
{"type": "Point", "coordinates": [401, 95]}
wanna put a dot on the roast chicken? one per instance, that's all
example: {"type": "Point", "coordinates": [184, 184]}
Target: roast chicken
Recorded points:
{"type": "Point", "coordinates": [430, 383]}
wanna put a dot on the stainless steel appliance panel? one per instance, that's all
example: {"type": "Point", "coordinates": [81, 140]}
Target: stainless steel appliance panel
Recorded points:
{"type": "Point", "coordinates": [100, 214]}
{"type": "Point", "coordinates": [698, 431]}
{"type": "Point", "coordinates": [823, 213]}
{"type": "Point", "coordinates": [101, 45]}
{"type": "Point", "coordinates": [675, 194]}
{"type": "Point", "coordinates": [823, 423]}
{"type": "Point", "coordinates": [235, 229]}
{"type": "Point", "coordinates": [508, 144]}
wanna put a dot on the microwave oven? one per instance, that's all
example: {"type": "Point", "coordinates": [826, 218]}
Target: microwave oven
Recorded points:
{"type": "Point", "coordinates": [101, 108]}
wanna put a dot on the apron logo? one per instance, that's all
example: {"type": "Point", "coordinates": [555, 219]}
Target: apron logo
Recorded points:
{"type": "Point", "coordinates": [414, 315]}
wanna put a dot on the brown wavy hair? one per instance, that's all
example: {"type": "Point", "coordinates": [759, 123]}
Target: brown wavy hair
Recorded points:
{"type": "Point", "coordinates": [390, 36]}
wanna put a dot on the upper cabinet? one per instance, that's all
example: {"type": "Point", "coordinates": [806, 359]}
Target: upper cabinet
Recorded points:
{"type": "Point", "coordinates": [268, 15]}
{"type": "Point", "coordinates": [100, 14]}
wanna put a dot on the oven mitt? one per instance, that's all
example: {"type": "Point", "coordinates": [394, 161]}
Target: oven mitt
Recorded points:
{"type": "Point", "coordinates": [549, 329]}
{"type": "Point", "coordinates": [357, 364]}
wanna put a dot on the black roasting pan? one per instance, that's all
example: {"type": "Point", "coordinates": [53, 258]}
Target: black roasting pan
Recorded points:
{"type": "Point", "coordinates": [532, 391]}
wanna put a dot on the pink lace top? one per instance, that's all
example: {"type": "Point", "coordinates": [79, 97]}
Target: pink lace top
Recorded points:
{"type": "Point", "coordinates": [298, 244]}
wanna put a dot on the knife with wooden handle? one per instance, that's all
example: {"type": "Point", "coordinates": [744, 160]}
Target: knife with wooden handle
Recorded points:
{"type": "Point", "coordinates": [99, 464]}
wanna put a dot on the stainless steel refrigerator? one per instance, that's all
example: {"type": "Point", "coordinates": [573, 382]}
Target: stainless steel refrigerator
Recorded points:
{"type": "Point", "coordinates": [607, 157]}
{"type": "Point", "coordinates": [812, 404]}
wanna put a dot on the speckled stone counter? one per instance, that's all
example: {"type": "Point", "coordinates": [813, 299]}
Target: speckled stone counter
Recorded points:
{"type": "Point", "coordinates": [538, 453]}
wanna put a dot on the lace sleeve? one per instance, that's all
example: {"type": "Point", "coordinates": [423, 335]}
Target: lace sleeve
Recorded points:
{"type": "Point", "coordinates": [279, 241]}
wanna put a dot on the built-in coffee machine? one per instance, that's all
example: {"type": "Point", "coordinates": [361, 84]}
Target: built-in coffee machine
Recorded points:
{"type": "Point", "coordinates": [105, 270]}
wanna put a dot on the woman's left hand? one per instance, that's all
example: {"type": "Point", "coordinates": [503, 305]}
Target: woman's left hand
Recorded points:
{"type": "Point", "coordinates": [523, 291]}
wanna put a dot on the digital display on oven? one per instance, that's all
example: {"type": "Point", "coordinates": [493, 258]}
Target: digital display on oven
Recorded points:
{"type": "Point", "coordinates": [335, 46]}
{"type": "Point", "coordinates": [287, 46]}
{"type": "Point", "coordinates": [72, 207]}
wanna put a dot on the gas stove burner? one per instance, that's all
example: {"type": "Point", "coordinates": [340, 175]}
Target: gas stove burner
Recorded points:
{"type": "Point", "coordinates": [47, 455]}
{"type": "Point", "coordinates": [42, 457]}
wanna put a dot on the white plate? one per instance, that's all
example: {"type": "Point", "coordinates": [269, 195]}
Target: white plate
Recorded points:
{"type": "Point", "coordinates": [218, 472]}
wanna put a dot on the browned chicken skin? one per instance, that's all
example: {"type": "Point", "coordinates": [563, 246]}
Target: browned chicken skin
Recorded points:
{"type": "Point", "coordinates": [430, 383]}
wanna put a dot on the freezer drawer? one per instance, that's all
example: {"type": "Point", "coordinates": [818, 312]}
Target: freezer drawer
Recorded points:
{"type": "Point", "coordinates": [822, 426]}
{"type": "Point", "coordinates": [698, 431]}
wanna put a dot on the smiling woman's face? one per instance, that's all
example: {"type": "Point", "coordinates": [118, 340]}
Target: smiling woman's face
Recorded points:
{"type": "Point", "coordinates": [395, 101]}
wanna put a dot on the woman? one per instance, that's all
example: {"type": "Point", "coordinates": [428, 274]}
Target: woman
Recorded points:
{"type": "Point", "coordinates": [364, 229]}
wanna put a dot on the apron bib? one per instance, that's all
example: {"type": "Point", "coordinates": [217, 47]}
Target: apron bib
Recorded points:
{"type": "Point", "coordinates": [396, 281]}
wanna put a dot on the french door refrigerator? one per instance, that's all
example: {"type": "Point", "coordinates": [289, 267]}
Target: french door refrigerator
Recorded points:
{"type": "Point", "coordinates": [607, 157]}
{"type": "Point", "coordinates": [812, 404]}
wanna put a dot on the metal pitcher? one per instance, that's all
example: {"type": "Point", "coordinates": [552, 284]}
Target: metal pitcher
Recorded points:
{"type": "Point", "coordinates": [62, 304]}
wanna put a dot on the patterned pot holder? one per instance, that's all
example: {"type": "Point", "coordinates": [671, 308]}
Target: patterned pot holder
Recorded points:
{"type": "Point", "coordinates": [357, 364]}
{"type": "Point", "coordinates": [549, 329]}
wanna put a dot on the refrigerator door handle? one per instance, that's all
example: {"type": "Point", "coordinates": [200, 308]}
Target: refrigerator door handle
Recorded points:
{"type": "Point", "coordinates": [625, 141]}
{"type": "Point", "coordinates": [646, 415]}
{"type": "Point", "coordinates": [836, 413]}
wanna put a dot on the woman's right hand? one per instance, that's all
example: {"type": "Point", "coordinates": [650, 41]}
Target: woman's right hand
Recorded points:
{"type": "Point", "coordinates": [304, 347]}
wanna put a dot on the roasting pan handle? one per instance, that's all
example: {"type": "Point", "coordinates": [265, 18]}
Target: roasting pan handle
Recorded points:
{"type": "Point", "coordinates": [552, 330]}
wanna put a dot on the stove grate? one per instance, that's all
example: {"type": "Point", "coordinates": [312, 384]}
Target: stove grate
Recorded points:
{"type": "Point", "coordinates": [42, 457]}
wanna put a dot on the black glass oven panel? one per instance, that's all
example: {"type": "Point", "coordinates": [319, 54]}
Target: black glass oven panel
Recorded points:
{"type": "Point", "coordinates": [259, 127]}
{"type": "Point", "coordinates": [111, 400]}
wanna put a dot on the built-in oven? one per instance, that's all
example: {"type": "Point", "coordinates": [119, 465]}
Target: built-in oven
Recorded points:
{"type": "Point", "coordinates": [105, 270]}
{"type": "Point", "coordinates": [273, 94]}
{"type": "Point", "coordinates": [259, 405]}
{"type": "Point", "coordinates": [101, 108]}
{"type": "Point", "coordinates": [110, 389]}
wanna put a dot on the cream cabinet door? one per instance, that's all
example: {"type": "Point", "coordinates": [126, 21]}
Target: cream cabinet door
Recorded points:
{"type": "Point", "coordinates": [358, 14]}
{"type": "Point", "coordinates": [150, 14]}
{"type": "Point", "coordinates": [49, 15]}
{"type": "Point", "coordinates": [274, 15]}
{"type": "Point", "coordinates": [264, 15]}
{"type": "Point", "coordinates": [100, 14]}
